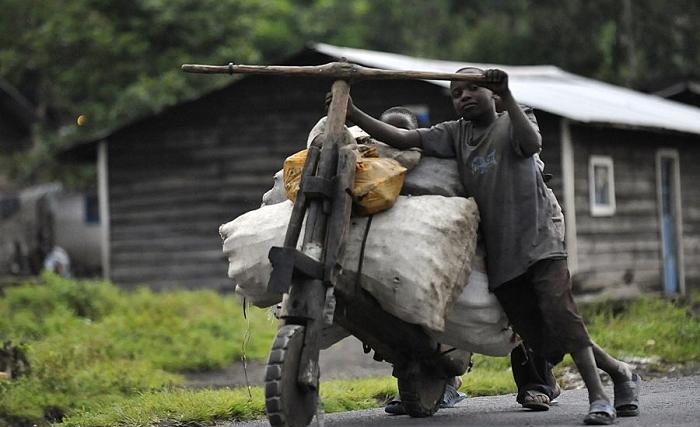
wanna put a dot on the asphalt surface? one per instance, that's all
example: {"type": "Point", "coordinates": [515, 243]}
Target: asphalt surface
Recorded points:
{"type": "Point", "coordinates": [663, 402]}
{"type": "Point", "coordinates": [343, 360]}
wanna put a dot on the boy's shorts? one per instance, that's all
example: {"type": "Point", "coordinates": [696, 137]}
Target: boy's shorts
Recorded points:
{"type": "Point", "coordinates": [541, 309]}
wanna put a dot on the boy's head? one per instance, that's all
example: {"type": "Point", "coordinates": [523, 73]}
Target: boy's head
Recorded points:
{"type": "Point", "coordinates": [400, 117]}
{"type": "Point", "coordinates": [470, 100]}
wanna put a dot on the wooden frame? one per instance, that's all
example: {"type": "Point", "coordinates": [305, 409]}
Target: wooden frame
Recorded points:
{"type": "Point", "coordinates": [601, 185]}
{"type": "Point", "coordinates": [568, 188]}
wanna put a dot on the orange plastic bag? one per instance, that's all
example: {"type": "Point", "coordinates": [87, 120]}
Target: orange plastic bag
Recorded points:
{"type": "Point", "coordinates": [377, 185]}
{"type": "Point", "coordinates": [291, 172]}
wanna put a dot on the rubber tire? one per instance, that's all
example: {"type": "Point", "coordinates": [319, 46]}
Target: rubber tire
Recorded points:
{"type": "Point", "coordinates": [421, 393]}
{"type": "Point", "coordinates": [287, 404]}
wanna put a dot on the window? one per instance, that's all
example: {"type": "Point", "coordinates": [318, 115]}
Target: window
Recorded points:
{"type": "Point", "coordinates": [92, 209]}
{"type": "Point", "coordinates": [601, 179]}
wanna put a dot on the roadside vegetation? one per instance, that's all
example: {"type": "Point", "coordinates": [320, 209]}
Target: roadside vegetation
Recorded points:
{"type": "Point", "coordinates": [101, 356]}
{"type": "Point", "coordinates": [90, 344]}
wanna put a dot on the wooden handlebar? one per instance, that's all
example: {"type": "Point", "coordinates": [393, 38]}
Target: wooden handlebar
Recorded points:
{"type": "Point", "coordinates": [337, 70]}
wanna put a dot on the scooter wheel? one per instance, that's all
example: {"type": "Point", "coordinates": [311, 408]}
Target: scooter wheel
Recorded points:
{"type": "Point", "coordinates": [287, 404]}
{"type": "Point", "coordinates": [421, 392]}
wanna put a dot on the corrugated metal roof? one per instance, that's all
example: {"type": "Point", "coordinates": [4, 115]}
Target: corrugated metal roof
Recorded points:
{"type": "Point", "coordinates": [553, 90]}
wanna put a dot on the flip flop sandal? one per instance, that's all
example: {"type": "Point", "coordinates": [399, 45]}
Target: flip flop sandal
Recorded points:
{"type": "Point", "coordinates": [535, 400]}
{"type": "Point", "coordinates": [451, 397]}
{"type": "Point", "coordinates": [395, 407]}
{"type": "Point", "coordinates": [555, 394]}
{"type": "Point", "coordinates": [600, 413]}
{"type": "Point", "coordinates": [627, 397]}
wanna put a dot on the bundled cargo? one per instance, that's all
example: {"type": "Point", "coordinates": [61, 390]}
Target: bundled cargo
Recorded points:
{"type": "Point", "coordinates": [277, 194]}
{"type": "Point", "coordinates": [433, 175]}
{"type": "Point", "coordinates": [449, 297]}
{"type": "Point", "coordinates": [247, 241]}
{"type": "Point", "coordinates": [378, 181]}
{"type": "Point", "coordinates": [417, 256]}
{"type": "Point", "coordinates": [377, 185]}
{"type": "Point", "coordinates": [476, 321]}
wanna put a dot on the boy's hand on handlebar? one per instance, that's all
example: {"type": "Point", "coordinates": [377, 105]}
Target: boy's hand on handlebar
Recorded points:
{"type": "Point", "coordinates": [496, 80]}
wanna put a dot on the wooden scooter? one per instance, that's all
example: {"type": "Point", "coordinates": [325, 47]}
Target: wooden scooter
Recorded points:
{"type": "Point", "coordinates": [308, 278]}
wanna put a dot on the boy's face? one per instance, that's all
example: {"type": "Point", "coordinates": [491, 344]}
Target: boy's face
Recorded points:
{"type": "Point", "coordinates": [471, 101]}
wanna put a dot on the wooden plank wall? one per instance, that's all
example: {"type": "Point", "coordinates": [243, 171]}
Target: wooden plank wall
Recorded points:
{"type": "Point", "coordinates": [176, 177]}
{"type": "Point", "coordinates": [626, 247]}
{"type": "Point", "coordinates": [690, 200]}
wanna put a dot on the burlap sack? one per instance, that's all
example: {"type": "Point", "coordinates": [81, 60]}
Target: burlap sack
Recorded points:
{"type": "Point", "coordinates": [416, 262]}
{"type": "Point", "coordinates": [476, 322]}
{"type": "Point", "coordinates": [417, 256]}
{"type": "Point", "coordinates": [277, 194]}
{"type": "Point", "coordinates": [247, 241]}
{"type": "Point", "coordinates": [433, 175]}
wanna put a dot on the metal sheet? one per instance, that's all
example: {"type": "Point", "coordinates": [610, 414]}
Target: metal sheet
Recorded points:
{"type": "Point", "coordinates": [553, 90]}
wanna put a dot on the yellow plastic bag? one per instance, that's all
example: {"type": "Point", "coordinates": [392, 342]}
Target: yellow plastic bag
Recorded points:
{"type": "Point", "coordinates": [292, 173]}
{"type": "Point", "coordinates": [377, 185]}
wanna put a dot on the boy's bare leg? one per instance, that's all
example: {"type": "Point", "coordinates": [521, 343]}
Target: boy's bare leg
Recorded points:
{"type": "Point", "coordinates": [601, 412]}
{"type": "Point", "coordinates": [627, 383]}
{"type": "Point", "coordinates": [618, 371]}
{"type": "Point", "coordinates": [586, 365]}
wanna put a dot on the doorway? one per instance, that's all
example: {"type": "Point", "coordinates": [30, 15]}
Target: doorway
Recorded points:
{"type": "Point", "coordinates": [670, 221]}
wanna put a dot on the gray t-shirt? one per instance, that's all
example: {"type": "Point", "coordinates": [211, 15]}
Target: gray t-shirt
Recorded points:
{"type": "Point", "coordinates": [516, 213]}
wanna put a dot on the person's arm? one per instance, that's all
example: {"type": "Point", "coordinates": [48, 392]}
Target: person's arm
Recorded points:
{"type": "Point", "coordinates": [396, 137]}
{"type": "Point", "coordinates": [527, 138]}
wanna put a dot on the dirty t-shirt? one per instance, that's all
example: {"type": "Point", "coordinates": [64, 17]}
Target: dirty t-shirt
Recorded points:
{"type": "Point", "coordinates": [516, 214]}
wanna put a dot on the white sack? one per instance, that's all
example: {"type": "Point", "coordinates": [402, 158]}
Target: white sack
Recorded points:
{"type": "Point", "coordinates": [247, 241]}
{"type": "Point", "coordinates": [433, 175]}
{"type": "Point", "coordinates": [476, 322]}
{"type": "Point", "coordinates": [417, 256]}
{"type": "Point", "coordinates": [406, 158]}
{"type": "Point", "coordinates": [277, 194]}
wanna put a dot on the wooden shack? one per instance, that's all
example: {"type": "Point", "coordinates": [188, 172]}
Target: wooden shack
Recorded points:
{"type": "Point", "coordinates": [624, 166]}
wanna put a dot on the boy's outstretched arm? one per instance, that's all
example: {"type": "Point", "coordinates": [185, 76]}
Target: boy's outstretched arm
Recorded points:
{"type": "Point", "coordinates": [526, 136]}
{"type": "Point", "coordinates": [396, 137]}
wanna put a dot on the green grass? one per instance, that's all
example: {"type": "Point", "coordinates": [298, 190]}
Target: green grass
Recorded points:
{"type": "Point", "coordinates": [89, 342]}
{"type": "Point", "coordinates": [101, 356]}
{"type": "Point", "coordinates": [647, 327]}
{"type": "Point", "coordinates": [185, 407]}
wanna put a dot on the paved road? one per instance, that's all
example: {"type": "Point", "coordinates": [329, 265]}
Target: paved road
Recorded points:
{"type": "Point", "coordinates": [664, 402]}
{"type": "Point", "coordinates": [343, 360]}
